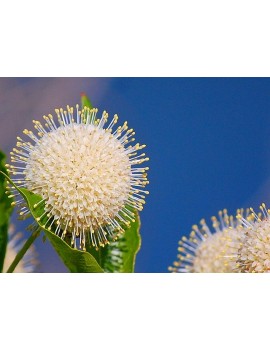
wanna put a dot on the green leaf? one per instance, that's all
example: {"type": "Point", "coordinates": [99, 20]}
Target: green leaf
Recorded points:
{"type": "Point", "coordinates": [120, 255]}
{"type": "Point", "coordinates": [75, 260]}
{"type": "Point", "coordinates": [5, 210]}
{"type": "Point", "coordinates": [85, 101]}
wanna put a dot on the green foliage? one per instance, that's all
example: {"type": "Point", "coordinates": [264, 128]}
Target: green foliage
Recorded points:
{"type": "Point", "coordinates": [85, 101]}
{"type": "Point", "coordinates": [5, 211]}
{"type": "Point", "coordinates": [75, 260]}
{"type": "Point", "coordinates": [120, 255]}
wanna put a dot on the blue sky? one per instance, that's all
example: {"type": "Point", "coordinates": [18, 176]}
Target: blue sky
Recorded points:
{"type": "Point", "coordinates": [207, 139]}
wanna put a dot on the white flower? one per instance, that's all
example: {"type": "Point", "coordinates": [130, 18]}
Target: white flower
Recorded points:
{"type": "Point", "coordinates": [85, 172]}
{"type": "Point", "coordinates": [28, 263]}
{"type": "Point", "coordinates": [207, 252]}
{"type": "Point", "coordinates": [254, 252]}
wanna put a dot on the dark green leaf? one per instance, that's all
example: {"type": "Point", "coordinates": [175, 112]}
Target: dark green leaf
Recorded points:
{"type": "Point", "coordinates": [120, 255]}
{"type": "Point", "coordinates": [5, 211]}
{"type": "Point", "coordinates": [75, 260]}
{"type": "Point", "coordinates": [85, 101]}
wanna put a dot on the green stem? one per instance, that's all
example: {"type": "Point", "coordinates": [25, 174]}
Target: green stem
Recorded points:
{"type": "Point", "coordinates": [22, 252]}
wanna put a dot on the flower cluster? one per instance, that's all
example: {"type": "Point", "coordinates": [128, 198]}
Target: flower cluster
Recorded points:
{"type": "Point", "coordinates": [239, 244]}
{"type": "Point", "coordinates": [86, 171]}
{"type": "Point", "coordinates": [254, 253]}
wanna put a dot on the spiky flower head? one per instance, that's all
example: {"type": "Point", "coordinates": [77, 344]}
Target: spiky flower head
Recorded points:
{"type": "Point", "coordinates": [254, 252]}
{"type": "Point", "coordinates": [210, 252]}
{"type": "Point", "coordinates": [29, 261]}
{"type": "Point", "coordinates": [87, 174]}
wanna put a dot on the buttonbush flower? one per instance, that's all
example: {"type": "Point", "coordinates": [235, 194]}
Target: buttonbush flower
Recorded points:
{"type": "Point", "coordinates": [87, 174]}
{"type": "Point", "coordinates": [254, 252]}
{"type": "Point", "coordinates": [28, 263]}
{"type": "Point", "coordinates": [211, 252]}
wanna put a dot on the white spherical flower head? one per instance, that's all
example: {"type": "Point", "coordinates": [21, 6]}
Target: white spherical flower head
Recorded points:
{"type": "Point", "coordinates": [28, 263]}
{"type": "Point", "coordinates": [86, 174]}
{"type": "Point", "coordinates": [207, 252]}
{"type": "Point", "coordinates": [254, 252]}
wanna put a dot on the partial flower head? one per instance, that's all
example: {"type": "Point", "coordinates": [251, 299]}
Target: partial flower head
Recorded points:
{"type": "Point", "coordinates": [87, 172]}
{"type": "Point", "coordinates": [28, 263]}
{"type": "Point", "coordinates": [254, 252]}
{"type": "Point", "coordinates": [210, 252]}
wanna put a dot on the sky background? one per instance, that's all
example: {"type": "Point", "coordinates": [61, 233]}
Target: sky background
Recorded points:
{"type": "Point", "coordinates": [207, 139]}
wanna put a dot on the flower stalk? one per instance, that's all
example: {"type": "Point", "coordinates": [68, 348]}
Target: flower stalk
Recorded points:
{"type": "Point", "coordinates": [23, 251]}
